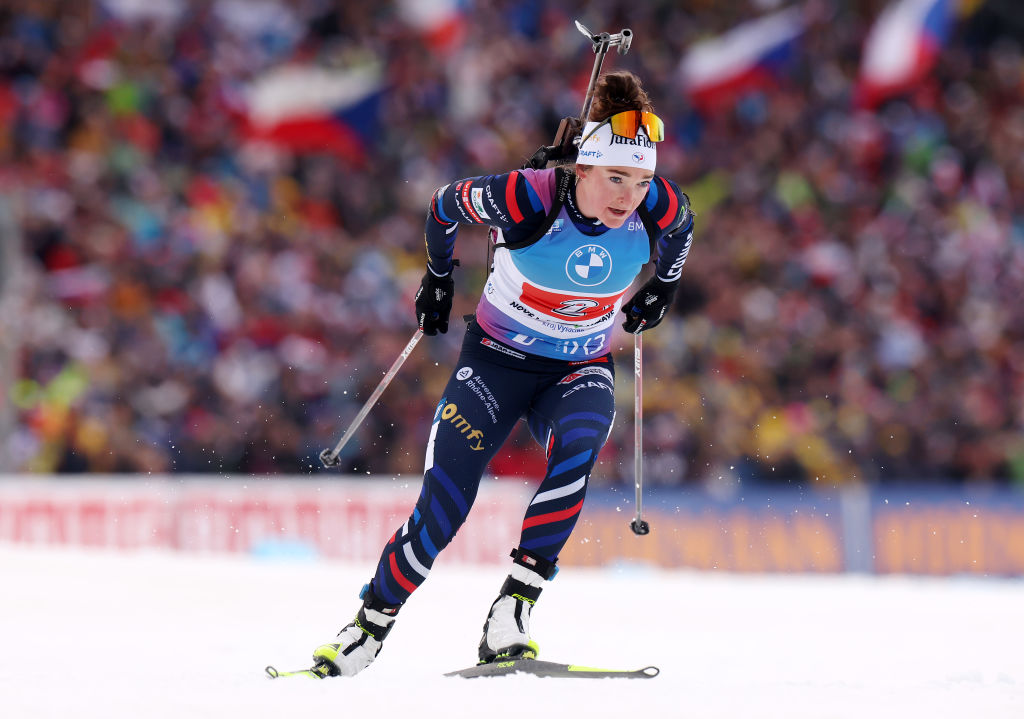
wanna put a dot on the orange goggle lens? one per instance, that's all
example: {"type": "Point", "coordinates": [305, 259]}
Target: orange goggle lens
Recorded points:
{"type": "Point", "coordinates": [628, 123]}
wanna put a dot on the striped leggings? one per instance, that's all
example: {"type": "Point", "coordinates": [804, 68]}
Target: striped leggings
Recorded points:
{"type": "Point", "coordinates": [569, 408]}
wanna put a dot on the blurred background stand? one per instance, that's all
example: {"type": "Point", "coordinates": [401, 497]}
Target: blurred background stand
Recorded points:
{"type": "Point", "coordinates": [9, 255]}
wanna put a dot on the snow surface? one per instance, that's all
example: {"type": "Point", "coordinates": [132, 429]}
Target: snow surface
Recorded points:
{"type": "Point", "coordinates": [101, 634]}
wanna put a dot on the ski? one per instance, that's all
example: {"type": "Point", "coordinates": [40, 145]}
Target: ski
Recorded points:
{"type": "Point", "coordinates": [540, 668]}
{"type": "Point", "coordinates": [317, 671]}
{"type": "Point", "coordinates": [535, 667]}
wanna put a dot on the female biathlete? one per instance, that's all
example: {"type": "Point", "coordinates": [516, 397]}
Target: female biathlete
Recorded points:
{"type": "Point", "coordinates": [569, 243]}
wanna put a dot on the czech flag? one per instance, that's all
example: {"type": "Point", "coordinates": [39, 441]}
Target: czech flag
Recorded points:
{"type": "Point", "coordinates": [717, 71]}
{"type": "Point", "coordinates": [441, 23]}
{"type": "Point", "coordinates": [315, 109]}
{"type": "Point", "coordinates": [902, 47]}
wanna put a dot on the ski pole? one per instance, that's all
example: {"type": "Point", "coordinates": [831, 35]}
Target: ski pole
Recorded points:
{"type": "Point", "coordinates": [638, 525]}
{"type": "Point", "coordinates": [328, 457]}
{"type": "Point", "coordinates": [602, 43]}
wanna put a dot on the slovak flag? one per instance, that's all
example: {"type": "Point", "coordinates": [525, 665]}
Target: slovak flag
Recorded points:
{"type": "Point", "coordinates": [716, 71]}
{"type": "Point", "coordinates": [902, 47]}
{"type": "Point", "coordinates": [315, 109]}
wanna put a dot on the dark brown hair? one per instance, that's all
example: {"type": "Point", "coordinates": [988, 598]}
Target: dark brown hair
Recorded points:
{"type": "Point", "coordinates": [616, 92]}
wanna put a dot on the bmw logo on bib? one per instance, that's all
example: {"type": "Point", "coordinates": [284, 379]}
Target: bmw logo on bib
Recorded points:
{"type": "Point", "coordinates": [589, 265]}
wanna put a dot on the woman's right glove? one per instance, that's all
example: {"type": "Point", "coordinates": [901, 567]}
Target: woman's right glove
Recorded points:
{"type": "Point", "coordinates": [434, 303]}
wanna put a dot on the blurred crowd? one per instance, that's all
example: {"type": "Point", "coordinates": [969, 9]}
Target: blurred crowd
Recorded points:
{"type": "Point", "coordinates": [191, 301]}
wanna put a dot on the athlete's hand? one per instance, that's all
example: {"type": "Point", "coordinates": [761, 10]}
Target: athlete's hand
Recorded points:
{"type": "Point", "coordinates": [434, 303]}
{"type": "Point", "coordinates": [648, 306]}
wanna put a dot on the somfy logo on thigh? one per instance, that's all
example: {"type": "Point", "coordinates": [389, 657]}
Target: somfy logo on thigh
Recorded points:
{"type": "Point", "coordinates": [589, 265]}
{"type": "Point", "coordinates": [464, 373]}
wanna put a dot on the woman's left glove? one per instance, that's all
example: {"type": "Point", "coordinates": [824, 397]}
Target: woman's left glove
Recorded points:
{"type": "Point", "coordinates": [648, 306]}
{"type": "Point", "coordinates": [434, 303]}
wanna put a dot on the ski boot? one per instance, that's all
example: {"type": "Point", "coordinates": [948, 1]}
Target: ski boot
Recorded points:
{"type": "Point", "coordinates": [507, 629]}
{"type": "Point", "coordinates": [359, 643]}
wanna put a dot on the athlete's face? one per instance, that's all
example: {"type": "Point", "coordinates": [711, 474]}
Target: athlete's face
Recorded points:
{"type": "Point", "coordinates": [611, 194]}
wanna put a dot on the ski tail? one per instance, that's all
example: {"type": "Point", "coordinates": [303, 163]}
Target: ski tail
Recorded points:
{"type": "Point", "coordinates": [317, 671]}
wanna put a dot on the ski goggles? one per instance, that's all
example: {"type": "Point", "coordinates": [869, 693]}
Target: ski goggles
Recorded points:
{"type": "Point", "coordinates": [628, 124]}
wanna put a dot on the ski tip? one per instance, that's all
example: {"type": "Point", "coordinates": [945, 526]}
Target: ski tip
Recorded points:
{"type": "Point", "coordinates": [271, 672]}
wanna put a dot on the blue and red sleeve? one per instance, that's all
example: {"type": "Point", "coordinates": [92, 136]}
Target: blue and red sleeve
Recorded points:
{"type": "Point", "coordinates": [505, 201]}
{"type": "Point", "coordinates": [669, 208]}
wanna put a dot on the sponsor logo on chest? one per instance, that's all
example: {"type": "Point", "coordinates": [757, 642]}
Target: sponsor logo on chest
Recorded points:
{"type": "Point", "coordinates": [589, 265]}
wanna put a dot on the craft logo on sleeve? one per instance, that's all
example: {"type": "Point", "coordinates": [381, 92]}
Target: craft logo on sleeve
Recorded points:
{"type": "Point", "coordinates": [494, 205]}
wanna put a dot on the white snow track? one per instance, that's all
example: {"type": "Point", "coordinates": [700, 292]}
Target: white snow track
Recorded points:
{"type": "Point", "coordinates": [91, 634]}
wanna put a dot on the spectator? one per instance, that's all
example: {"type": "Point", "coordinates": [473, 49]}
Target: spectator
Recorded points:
{"type": "Point", "coordinates": [198, 303]}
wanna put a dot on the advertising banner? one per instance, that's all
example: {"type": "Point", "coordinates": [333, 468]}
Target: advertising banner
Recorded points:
{"type": "Point", "coordinates": [885, 532]}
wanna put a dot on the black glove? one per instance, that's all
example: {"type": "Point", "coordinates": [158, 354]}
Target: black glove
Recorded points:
{"type": "Point", "coordinates": [434, 303]}
{"type": "Point", "coordinates": [648, 306]}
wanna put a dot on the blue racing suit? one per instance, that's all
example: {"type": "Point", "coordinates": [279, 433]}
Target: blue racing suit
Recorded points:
{"type": "Point", "coordinates": [537, 349]}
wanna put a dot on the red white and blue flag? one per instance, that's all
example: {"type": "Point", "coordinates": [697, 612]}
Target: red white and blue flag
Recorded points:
{"type": "Point", "coordinates": [315, 109]}
{"type": "Point", "coordinates": [902, 47]}
{"type": "Point", "coordinates": [717, 71]}
{"type": "Point", "coordinates": [441, 23]}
